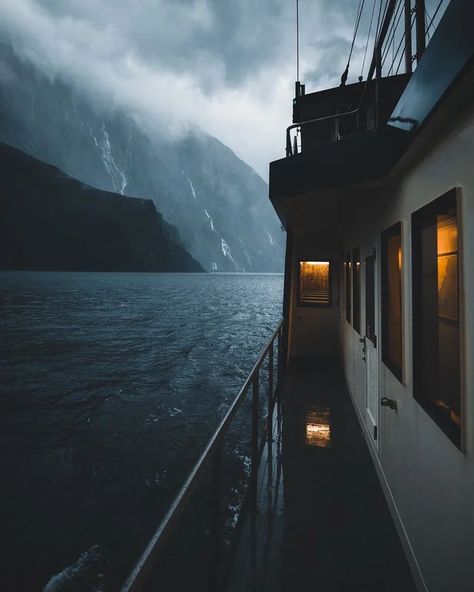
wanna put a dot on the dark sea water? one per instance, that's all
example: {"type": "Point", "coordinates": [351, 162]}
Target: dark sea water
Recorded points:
{"type": "Point", "coordinates": [110, 386]}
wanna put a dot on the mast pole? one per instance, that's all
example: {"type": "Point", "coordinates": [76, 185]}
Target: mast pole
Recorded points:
{"type": "Point", "coordinates": [408, 48]}
{"type": "Point", "coordinates": [420, 29]}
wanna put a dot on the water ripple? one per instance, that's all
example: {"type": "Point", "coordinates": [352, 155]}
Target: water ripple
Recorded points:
{"type": "Point", "coordinates": [106, 377]}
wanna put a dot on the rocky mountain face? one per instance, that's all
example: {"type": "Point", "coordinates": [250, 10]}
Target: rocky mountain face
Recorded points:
{"type": "Point", "coordinates": [218, 204]}
{"type": "Point", "coordinates": [51, 221]}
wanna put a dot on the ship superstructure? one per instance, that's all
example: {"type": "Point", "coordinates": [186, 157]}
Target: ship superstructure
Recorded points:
{"type": "Point", "coordinates": [376, 195]}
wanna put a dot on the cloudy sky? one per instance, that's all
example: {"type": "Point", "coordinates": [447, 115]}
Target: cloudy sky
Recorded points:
{"type": "Point", "coordinates": [226, 66]}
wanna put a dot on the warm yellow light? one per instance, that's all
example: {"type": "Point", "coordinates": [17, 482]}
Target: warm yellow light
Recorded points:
{"type": "Point", "coordinates": [399, 257]}
{"type": "Point", "coordinates": [455, 418]}
{"type": "Point", "coordinates": [318, 434]}
{"type": "Point", "coordinates": [314, 282]}
{"type": "Point", "coordinates": [447, 260]}
{"type": "Point", "coordinates": [322, 263]}
{"type": "Point", "coordinates": [318, 428]}
{"type": "Point", "coordinates": [447, 235]}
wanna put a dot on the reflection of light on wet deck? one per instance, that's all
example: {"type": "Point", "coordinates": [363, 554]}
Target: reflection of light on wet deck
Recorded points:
{"type": "Point", "coordinates": [318, 428]}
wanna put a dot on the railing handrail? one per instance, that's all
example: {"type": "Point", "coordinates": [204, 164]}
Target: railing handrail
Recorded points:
{"type": "Point", "coordinates": [315, 120]}
{"type": "Point", "coordinates": [164, 530]}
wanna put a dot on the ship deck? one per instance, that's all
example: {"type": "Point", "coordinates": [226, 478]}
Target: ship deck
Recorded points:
{"type": "Point", "coordinates": [322, 521]}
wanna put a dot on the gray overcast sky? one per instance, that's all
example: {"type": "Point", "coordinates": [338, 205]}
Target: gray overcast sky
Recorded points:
{"type": "Point", "coordinates": [226, 66]}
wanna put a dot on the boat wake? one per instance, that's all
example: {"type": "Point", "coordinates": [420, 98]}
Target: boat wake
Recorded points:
{"type": "Point", "coordinates": [84, 575]}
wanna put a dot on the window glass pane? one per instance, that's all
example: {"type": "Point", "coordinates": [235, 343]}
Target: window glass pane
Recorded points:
{"type": "Point", "coordinates": [392, 354]}
{"type": "Point", "coordinates": [314, 283]}
{"type": "Point", "coordinates": [356, 289]}
{"type": "Point", "coordinates": [348, 273]}
{"type": "Point", "coordinates": [436, 338]}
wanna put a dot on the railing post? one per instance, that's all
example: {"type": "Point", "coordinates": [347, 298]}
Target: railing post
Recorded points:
{"type": "Point", "coordinates": [288, 143]}
{"type": "Point", "coordinates": [280, 351]}
{"type": "Point", "coordinates": [254, 470]}
{"type": "Point", "coordinates": [270, 371]}
{"type": "Point", "coordinates": [254, 484]}
{"type": "Point", "coordinates": [215, 533]}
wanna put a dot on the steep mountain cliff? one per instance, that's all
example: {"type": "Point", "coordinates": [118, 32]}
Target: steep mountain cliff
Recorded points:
{"type": "Point", "coordinates": [51, 221]}
{"type": "Point", "coordinates": [218, 203]}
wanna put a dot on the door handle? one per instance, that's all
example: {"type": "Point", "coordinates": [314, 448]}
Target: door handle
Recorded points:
{"type": "Point", "coordinates": [364, 347]}
{"type": "Point", "coordinates": [386, 402]}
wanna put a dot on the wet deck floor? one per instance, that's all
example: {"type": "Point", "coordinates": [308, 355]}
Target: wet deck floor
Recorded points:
{"type": "Point", "coordinates": [323, 524]}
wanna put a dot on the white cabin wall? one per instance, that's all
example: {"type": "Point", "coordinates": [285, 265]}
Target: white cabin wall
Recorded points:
{"type": "Point", "coordinates": [430, 479]}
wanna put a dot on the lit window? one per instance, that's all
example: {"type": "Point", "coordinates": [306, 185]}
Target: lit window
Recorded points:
{"type": "Point", "coordinates": [392, 355]}
{"type": "Point", "coordinates": [436, 328]}
{"type": "Point", "coordinates": [356, 289]}
{"type": "Point", "coordinates": [314, 284]}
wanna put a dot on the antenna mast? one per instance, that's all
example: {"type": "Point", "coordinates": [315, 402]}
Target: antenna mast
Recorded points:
{"type": "Point", "coordinates": [420, 28]}
{"type": "Point", "coordinates": [297, 42]}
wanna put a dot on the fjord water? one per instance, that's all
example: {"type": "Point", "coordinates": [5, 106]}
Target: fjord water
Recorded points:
{"type": "Point", "coordinates": [110, 386]}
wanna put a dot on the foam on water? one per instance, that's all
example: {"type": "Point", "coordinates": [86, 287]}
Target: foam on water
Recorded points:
{"type": "Point", "coordinates": [83, 575]}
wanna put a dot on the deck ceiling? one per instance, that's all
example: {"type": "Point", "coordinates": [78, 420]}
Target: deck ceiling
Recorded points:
{"type": "Point", "coordinates": [324, 213]}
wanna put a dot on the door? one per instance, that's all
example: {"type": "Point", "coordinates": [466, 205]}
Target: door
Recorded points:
{"type": "Point", "coordinates": [370, 331]}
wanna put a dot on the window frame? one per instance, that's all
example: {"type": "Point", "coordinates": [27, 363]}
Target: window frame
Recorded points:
{"type": "Point", "coordinates": [348, 286]}
{"type": "Point", "coordinates": [451, 431]}
{"type": "Point", "coordinates": [302, 303]}
{"type": "Point", "coordinates": [356, 319]}
{"type": "Point", "coordinates": [395, 369]}
{"type": "Point", "coordinates": [370, 304]}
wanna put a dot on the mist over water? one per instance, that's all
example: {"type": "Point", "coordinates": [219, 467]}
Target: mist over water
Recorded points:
{"type": "Point", "coordinates": [110, 386]}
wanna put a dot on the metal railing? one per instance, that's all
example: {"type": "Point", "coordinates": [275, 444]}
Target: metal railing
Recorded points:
{"type": "Point", "coordinates": [294, 148]}
{"type": "Point", "coordinates": [212, 457]}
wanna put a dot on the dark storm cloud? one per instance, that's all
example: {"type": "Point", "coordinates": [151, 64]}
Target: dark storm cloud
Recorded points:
{"type": "Point", "coordinates": [241, 36]}
{"type": "Point", "coordinates": [226, 66]}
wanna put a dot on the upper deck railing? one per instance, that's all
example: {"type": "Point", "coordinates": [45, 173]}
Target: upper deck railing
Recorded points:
{"type": "Point", "coordinates": [405, 30]}
{"type": "Point", "coordinates": [208, 471]}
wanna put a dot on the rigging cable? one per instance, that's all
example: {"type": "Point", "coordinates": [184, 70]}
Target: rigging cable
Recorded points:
{"type": "Point", "coordinates": [356, 28]}
{"type": "Point", "coordinates": [397, 14]}
{"type": "Point", "coordinates": [427, 17]}
{"type": "Point", "coordinates": [376, 35]}
{"type": "Point", "coordinates": [435, 13]}
{"type": "Point", "coordinates": [367, 44]}
{"type": "Point", "coordinates": [381, 18]}
{"type": "Point", "coordinates": [413, 18]}
{"type": "Point", "coordinates": [391, 39]}
{"type": "Point", "coordinates": [402, 39]}
{"type": "Point", "coordinates": [377, 30]}
{"type": "Point", "coordinates": [378, 27]}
